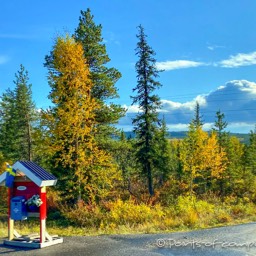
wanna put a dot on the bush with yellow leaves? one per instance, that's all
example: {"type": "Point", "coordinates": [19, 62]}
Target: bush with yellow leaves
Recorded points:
{"type": "Point", "coordinates": [128, 212]}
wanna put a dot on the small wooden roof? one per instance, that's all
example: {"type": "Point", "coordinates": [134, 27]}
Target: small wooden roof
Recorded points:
{"type": "Point", "coordinates": [34, 172]}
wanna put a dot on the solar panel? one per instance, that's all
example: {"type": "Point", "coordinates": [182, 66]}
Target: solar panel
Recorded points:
{"type": "Point", "coordinates": [38, 171]}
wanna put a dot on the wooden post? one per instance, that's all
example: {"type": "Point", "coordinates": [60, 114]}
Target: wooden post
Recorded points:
{"type": "Point", "coordinates": [43, 209]}
{"type": "Point", "coordinates": [10, 221]}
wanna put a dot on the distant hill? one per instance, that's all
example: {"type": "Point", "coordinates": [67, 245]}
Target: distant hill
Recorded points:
{"type": "Point", "coordinates": [244, 138]}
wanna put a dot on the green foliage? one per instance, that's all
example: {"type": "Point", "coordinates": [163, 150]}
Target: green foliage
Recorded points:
{"type": "Point", "coordinates": [236, 174]}
{"type": "Point", "coordinates": [162, 156]}
{"type": "Point", "coordinates": [26, 114]}
{"type": "Point", "coordinates": [197, 120]}
{"type": "Point", "coordinates": [102, 76]}
{"type": "Point", "coordinates": [8, 127]}
{"type": "Point", "coordinates": [17, 119]}
{"type": "Point", "coordinates": [123, 153]}
{"type": "Point", "coordinates": [146, 121]}
{"type": "Point", "coordinates": [251, 152]}
{"type": "Point", "coordinates": [219, 127]}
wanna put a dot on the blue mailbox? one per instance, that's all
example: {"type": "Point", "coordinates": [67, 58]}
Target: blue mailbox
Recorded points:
{"type": "Point", "coordinates": [18, 208]}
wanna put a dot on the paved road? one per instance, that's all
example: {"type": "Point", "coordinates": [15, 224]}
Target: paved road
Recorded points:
{"type": "Point", "coordinates": [237, 240]}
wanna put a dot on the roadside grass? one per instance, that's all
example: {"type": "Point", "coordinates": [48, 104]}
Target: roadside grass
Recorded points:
{"type": "Point", "coordinates": [127, 217]}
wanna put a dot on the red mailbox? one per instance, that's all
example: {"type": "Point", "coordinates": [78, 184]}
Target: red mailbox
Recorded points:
{"type": "Point", "coordinates": [27, 180]}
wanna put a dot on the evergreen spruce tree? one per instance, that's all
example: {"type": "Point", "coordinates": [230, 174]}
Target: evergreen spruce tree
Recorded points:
{"type": "Point", "coordinates": [223, 137]}
{"type": "Point", "coordinates": [26, 114]}
{"type": "Point", "coordinates": [103, 77]}
{"type": "Point", "coordinates": [18, 112]}
{"type": "Point", "coordinates": [219, 127]}
{"type": "Point", "coordinates": [197, 120]}
{"type": "Point", "coordinates": [124, 155]}
{"type": "Point", "coordinates": [251, 152]}
{"type": "Point", "coordinates": [163, 154]}
{"type": "Point", "coordinates": [8, 127]}
{"type": "Point", "coordinates": [146, 122]}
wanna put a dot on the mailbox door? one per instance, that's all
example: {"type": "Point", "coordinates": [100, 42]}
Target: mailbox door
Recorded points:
{"type": "Point", "coordinates": [18, 211]}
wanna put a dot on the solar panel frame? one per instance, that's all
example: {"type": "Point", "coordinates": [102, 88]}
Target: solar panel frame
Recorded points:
{"type": "Point", "coordinates": [38, 171]}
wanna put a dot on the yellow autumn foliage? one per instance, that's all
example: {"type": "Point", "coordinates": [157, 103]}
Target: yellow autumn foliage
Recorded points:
{"type": "Point", "coordinates": [201, 156]}
{"type": "Point", "coordinates": [72, 123]}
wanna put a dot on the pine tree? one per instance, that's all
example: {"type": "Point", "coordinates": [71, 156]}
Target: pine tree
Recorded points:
{"type": "Point", "coordinates": [26, 113]}
{"type": "Point", "coordinates": [103, 77]}
{"type": "Point", "coordinates": [251, 152]}
{"type": "Point", "coordinates": [8, 126]}
{"type": "Point", "coordinates": [236, 173]}
{"type": "Point", "coordinates": [18, 114]}
{"type": "Point", "coordinates": [146, 121]}
{"type": "Point", "coordinates": [87, 172]}
{"type": "Point", "coordinates": [124, 155]}
{"type": "Point", "coordinates": [162, 155]}
{"type": "Point", "coordinates": [219, 127]}
{"type": "Point", "coordinates": [197, 120]}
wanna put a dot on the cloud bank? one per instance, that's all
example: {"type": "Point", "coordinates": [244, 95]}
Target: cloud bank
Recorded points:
{"type": "Point", "coordinates": [236, 99]}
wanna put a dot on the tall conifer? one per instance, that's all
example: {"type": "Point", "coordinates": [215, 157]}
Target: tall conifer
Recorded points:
{"type": "Point", "coordinates": [146, 122]}
{"type": "Point", "coordinates": [18, 113]}
{"type": "Point", "coordinates": [102, 76]}
{"type": "Point", "coordinates": [26, 113]}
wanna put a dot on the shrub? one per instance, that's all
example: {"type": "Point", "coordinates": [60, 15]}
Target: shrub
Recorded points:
{"type": "Point", "coordinates": [193, 211]}
{"type": "Point", "coordinates": [128, 212]}
{"type": "Point", "coordinates": [53, 199]}
{"type": "Point", "coordinates": [223, 216]}
{"type": "Point", "coordinates": [84, 215]}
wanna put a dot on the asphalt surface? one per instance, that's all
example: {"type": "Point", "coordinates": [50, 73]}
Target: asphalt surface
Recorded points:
{"type": "Point", "coordinates": [229, 241]}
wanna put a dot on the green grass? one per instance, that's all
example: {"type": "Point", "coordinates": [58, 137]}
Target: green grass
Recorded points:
{"type": "Point", "coordinates": [28, 228]}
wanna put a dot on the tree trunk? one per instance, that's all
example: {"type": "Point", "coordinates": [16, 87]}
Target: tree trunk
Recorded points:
{"type": "Point", "coordinates": [150, 180]}
{"type": "Point", "coordinates": [29, 141]}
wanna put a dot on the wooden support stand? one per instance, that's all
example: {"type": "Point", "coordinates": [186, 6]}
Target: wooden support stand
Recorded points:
{"type": "Point", "coordinates": [33, 240]}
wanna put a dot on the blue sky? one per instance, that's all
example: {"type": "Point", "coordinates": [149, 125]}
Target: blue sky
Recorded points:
{"type": "Point", "coordinates": [207, 48]}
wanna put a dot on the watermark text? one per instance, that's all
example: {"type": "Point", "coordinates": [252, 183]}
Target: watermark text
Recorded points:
{"type": "Point", "coordinates": [171, 243]}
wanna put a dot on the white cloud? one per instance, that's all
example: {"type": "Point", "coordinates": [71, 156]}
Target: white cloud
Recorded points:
{"type": "Point", "coordinates": [213, 47]}
{"type": "Point", "coordinates": [188, 106]}
{"type": "Point", "coordinates": [234, 61]}
{"type": "Point", "coordinates": [177, 127]}
{"type": "Point", "coordinates": [178, 64]}
{"type": "Point", "coordinates": [170, 105]}
{"type": "Point", "coordinates": [245, 127]}
{"type": "Point", "coordinates": [236, 99]}
{"type": "Point", "coordinates": [3, 59]}
{"type": "Point", "coordinates": [241, 59]}
{"type": "Point", "coordinates": [132, 108]}
{"type": "Point", "coordinates": [201, 99]}
{"type": "Point", "coordinates": [245, 86]}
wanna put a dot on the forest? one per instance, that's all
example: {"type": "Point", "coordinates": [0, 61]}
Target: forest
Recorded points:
{"type": "Point", "coordinates": [109, 182]}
